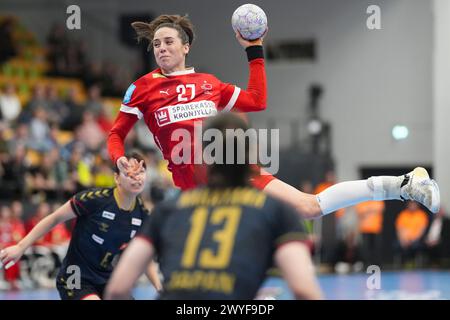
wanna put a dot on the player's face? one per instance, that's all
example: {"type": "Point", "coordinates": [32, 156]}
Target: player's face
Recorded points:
{"type": "Point", "coordinates": [170, 53]}
{"type": "Point", "coordinates": [133, 183]}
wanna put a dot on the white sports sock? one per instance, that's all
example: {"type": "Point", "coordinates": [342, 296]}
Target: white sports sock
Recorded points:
{"type": "Point", "coordinates": [346, 194]}
{"type": "Point", "coordinates": [385, 187]}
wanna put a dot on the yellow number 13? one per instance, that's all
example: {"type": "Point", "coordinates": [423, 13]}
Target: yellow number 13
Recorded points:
{"type": "Point", "coordinates": [224, 237]}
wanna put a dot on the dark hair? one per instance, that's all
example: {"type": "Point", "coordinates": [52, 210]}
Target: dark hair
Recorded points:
{"type": "Point", "coordinates": [130, 155]}
{"type": "Point", "coordinates": [235, 174]}
{"type": "Point", "coordinates": [182, 24]}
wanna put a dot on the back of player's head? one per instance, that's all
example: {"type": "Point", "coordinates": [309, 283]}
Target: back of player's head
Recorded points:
{"type": "Point", "coordinates": [133, 154]}
{"type": "Point", "coordinates": [182, 24]}
{"type": "Point", "coordinates": [232, 168]}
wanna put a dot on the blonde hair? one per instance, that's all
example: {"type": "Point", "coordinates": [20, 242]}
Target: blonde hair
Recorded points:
{"type": "Point", "coordinates": [182, 24]}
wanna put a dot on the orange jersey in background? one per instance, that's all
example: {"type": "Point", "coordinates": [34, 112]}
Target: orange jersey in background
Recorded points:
{"type": "Point", "coordinates": [370, 216]}
{"type": "Point", "coordinates": [412, 223]}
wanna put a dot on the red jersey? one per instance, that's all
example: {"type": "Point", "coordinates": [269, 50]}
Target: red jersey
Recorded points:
{"type": "Point", "coordinates": [18, 228]}
{"type": "Point", "coordinates": [180, 100]}
{"type": "Point", "coordinates": [6, 233]}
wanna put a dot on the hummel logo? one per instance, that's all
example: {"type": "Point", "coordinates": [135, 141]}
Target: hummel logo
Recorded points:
{"type": "Point", "coordinates": [103, 226]}
{"type": "Point", "coordinates": [165, 92]}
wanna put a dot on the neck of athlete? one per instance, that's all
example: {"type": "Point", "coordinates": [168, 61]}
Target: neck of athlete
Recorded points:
{"type": "Point", "coordinates": [125, 200]}
{"type": "Point", "coordinates": [180, 67]}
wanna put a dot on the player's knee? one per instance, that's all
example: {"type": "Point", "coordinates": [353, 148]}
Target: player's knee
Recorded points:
{"type": "Point", "coordinates": [309, 208]}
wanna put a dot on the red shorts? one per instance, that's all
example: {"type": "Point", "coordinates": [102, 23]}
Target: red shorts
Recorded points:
{"type": "Point", "coordinates": [191, 176]}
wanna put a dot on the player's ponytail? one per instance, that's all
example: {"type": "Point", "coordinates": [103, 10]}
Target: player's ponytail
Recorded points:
{"type": "Point", "coordinates": [146, 31]}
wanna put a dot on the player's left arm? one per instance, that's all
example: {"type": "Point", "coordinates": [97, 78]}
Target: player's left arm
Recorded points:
{"type": "Point", "coordinates": [132, 264]}
{"type": "Point", "coordinates": [292, 256]}
{"type": "Point", "coordinates": [295, 263]}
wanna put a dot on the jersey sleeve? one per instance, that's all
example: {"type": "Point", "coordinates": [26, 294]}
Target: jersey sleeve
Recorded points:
{"type": "Point", "coordinates": [135, 99]}
{"type": "Point", "coordinates": [261, 178]}
{"type": "Point", "coordinates": [130, 112]}
{"type": "Point", "coordinates": [255, 97]}
{"type": "Point", "coordinates": [287, 225]}
{"type": "Point", "coordinates": [89, 201]}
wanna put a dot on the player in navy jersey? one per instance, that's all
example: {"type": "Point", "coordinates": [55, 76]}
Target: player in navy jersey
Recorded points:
{"type": "Point", "coordinates": [107, 219]}
{"type": "Point", "coordinates": [217, 242]}
{"type": "Point", "coordinates": [173, 99]}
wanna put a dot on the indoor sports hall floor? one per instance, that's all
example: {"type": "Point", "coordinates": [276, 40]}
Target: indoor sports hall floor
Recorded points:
{"type": "Point", "coordinates": [394, 285]}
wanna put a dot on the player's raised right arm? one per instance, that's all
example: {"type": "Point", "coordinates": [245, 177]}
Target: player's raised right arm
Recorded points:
{"type": "Point", "coordinates": [12, 254]}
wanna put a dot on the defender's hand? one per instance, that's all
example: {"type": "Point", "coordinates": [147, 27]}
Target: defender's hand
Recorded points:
{"type": "Point", "coordinates": [10, 255]}
{"type": "Point", "coordinates": [123, 164]}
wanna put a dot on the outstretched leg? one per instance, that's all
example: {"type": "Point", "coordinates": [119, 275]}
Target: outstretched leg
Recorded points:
{"type": "Point", "coordinates": [415, 185]}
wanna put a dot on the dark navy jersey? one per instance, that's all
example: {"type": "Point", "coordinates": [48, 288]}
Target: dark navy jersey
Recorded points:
{"type": "Point", "coordinates": [101, 233]}
{"type": "Point", "coordinates": [218, 244]}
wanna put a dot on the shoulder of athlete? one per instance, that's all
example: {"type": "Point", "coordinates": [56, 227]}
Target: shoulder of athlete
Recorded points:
{"type": "Point", "coordinates": [95, 194]}
{"type": "Point", "coordinates": [147, 78]}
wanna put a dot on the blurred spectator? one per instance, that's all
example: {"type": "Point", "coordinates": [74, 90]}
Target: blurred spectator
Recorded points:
{"type": "Point", "coordinates": [94, 101]}
{"type": "Point", "coordinates": [76, 110]}
{"type": "Point", "coordinates": [58, 109]}
{"type": "Point", "coordinates": [106, 119]}
{"type": "Point", "coordinates": [37, 100]}
{"type": "Point", "coordinates": [75, 59]}
{"type": "Point", "coordinates": [10, 106]}
{"type": "Point", "coordinates": [110, 80]}
{"type": "Point", "coordinates": [42, 211]}
{"type": "Point", "coordinates": [370, 220]}
{"type": "Point", "coordinates": [7, 46]}
{"type": "Point", "coordinates": [18, 229]}
{"type": "Point", "coordinates": [4, 147]}
{"type": "Point", "coordinates": [40, 131]}
{"type": "Point", "coordinates": [59, 235]}
{"type": "Point", "coordinates": [14, 174]}
{"type": "Point", "coordinates": [437, 239]}
{"type": "Point", "coordinates": [5, 226]}
{"type": "Point", "coordinates": [93, 74]}
{"type": "Point", "coordinates": [57, 44]}
{"type": "Point", "coordinates": [80, 169]}
{"type": "Point", "coordinates": [67, 149]}
{"type": "Point", "coordinates": [104, 176]}
{"type": "Point", "coordinates": [21, 137]}
{"type": "Point", "coordinates": [410, 226]}
{"type": "Point", "coordinates": [17, 220]}
{"type": "Point", "coordinates": [54, 136]}
{"type": "Point", "coordinates": [90, 133]}
{"type": "Point", "coordinates": [50, 175]}
{"type": "Point", "coordinates": [7, 239]}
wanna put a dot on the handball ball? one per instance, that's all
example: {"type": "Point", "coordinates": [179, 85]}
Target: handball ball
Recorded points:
{"type": "Point", "coordinates": [250, 20]}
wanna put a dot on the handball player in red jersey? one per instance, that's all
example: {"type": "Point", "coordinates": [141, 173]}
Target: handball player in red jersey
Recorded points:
{"type": "Point", "coordinates": [174, 96]}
